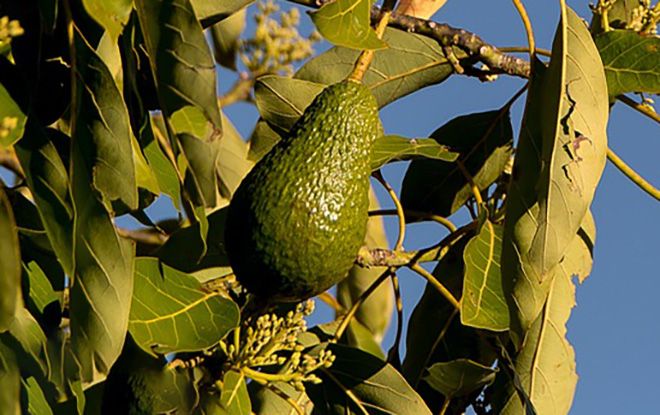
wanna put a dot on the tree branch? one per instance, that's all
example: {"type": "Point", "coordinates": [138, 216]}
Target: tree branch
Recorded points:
{"type": "Point", "coordinates": [447, 35]}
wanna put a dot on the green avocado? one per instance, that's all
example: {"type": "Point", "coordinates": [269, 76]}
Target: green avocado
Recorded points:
{"type": "Point", "coordinates": [297, 221]}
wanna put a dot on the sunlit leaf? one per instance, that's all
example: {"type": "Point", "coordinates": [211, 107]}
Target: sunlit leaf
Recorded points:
{"type": "Point", "coordinates": [225, 36]}
{"type": "Point", "coordinates": [103, 271]}
{"type": "Point", "coordinates": [483, 140]}
{"type": "Point", "coordinates": [48, 181]}
{"type": "Point", "coordinates": [263, 139]}
{"type": "Point", "coordinates": [102, 126]}
{"type": "Point", "coordinates": [281, 101]}
{"type": "Point", "coordinates": [483, 304]}
{"type": "Point", "coordinates": [267, 402]}
{"type": "Point", "coordinates": [37, 404]}
{"type": "Point", "coordinates": [233, 164]}
{"type": "Point", "coordinates": [10, 264]}
{"type": "Point", "coordinates": [170, 312]}
{"type": "Point", "coordinates": [558, 164]}
{"type": "Point", "coordinates": [112, 15]}
{"type": "Point", "coordinates": [546, 362]}
{"type": "Point", "coordinates": [631, 61]}
{"type": "Point", "coordinates": [391, 148]}
{"type": "Point", "coordinates": [234, 397]}
{"type": "Point", "coordinates": [347, 23]}
{"type": "Point", "coordinates": [374, 386]}
{"type": "Point", "coordinates": [459, 377]}
{"type": "Point", "coordinates": [30, 344]}
{"type": "Point", "coordinates": [410, 62]}
{"type": "Point", "coordinates": [210, 12]}
{"type": "Point", "coordinates": [41, 291]}
{"type": "Point", "coordinates": [12, 119]}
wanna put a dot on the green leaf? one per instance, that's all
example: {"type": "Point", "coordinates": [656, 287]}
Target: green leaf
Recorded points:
{"type": "Point", "coordinates": [267, 402]}
{"type": "Point", "coordinates": [31, 347]}
{"type": "Point", "coordinates": [180, 58]}
{"type": "Point", "coordinates": [631, 61]}
{"type": "Point", "coordinates": [210, 12]}
{"type": "Point", "coordinates": [10, 382]}
{"type": "Point", "coordinates": [347, 23]}
{"type": "Point", "coordinates": [391, 148]}
{"type": "Point", "coordinates": [375, 312]}
{"type": "Point", "coordinates": [483, 304]}
{"type": "Point", "coordinates": [483, 140]}
{"type": "Point", "coordinates": [171, 313]}
{"type": "Point", "coordinates": [112, 15]}
{"type": "Point", "coordinates": [233, 163]}
{"type": "Point", "coordinates": [200, 179]}
{"type": "Point", "coordinates": [184, 250]}
{"type": "Point", "coordinates": [546, 362]}
{"type": "Point", "coordinates": [225, 36]}
{"type": "Point", "coordinates": [559, 161]}
{"type": "Point", "coordinates": [375, 387]}
{"type": "Point", "coordinates": [41, 290]}
{"type": "Point", "coordinates": [281, 100]}
{"type": "Point", "coordinates": [459, 377]}
{"type": "Point", "coordinates": [10, 264]}
{"type": "Point", "coordinates": [410, 62]}
{"type": "Point", "coordinates": [12, 119]}
{"type": "Point", "coordinates": [102, 274]}
{"type": "Point", "coordinates": [102, 126]}
{"type": "Point", "coordinates": [262, 140]}
{"type": "Point", "coordinates": [620, 13]}
{"type": "Point", "coordinates": [37, 404]}
{"type": "Point", "coordinates": [166, 174]}
{"type": "Point", "coordinates": [48, 181]}
{"type": "Point", "coordinates": [234, 397]}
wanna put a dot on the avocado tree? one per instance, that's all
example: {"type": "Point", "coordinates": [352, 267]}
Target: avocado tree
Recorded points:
{"type": "Point", "coordinates": [108, 105]}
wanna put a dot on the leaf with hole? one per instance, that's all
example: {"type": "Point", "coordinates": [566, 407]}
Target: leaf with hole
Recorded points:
{"type": "Point", "coordinates": [171, 313]}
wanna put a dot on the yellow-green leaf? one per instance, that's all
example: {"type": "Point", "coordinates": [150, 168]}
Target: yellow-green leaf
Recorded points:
{"type": "Point", "coordinates": [389, 148]}
{"type": "Point", "coordinates": [10, 264]}
{"type": "Point", "coordinates": [347, 23]}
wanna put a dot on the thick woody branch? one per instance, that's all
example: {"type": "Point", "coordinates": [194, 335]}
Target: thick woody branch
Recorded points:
{"type": "Point", "coordinates": [447, 36]}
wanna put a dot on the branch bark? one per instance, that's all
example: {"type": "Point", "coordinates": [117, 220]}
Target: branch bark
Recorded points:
{"type": "Point", "coordinates": [445, 35]}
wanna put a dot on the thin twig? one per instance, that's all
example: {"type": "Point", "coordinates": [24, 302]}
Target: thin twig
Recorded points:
{"type": "Point", "coordinates": [436, 284]}
{"type": "Point", "coordinates": [446, 35]}
{"type": "Point", "coordinates": [632, 174]}
{"type": "Point", "coordinates": [332, 302]}
{"type": "Point", "coordinates": [528, 28]}
{"type": "Point", "coordinates": [525, 49]}
{"type": "Point", "coordinates": [354, 308]}
{"type": "Point", "coordinates": [643, 109]}
{"type": "Point", "coordinates": [418, 215]}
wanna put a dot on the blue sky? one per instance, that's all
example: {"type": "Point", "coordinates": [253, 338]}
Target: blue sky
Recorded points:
{"type": "Point", "coordinates": [613, 328]}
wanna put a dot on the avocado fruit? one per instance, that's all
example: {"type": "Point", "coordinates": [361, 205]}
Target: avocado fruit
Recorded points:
{"type": "Point", "coordinates": [296, 222]}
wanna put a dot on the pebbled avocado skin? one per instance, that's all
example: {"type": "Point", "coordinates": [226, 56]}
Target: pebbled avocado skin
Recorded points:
{"type": "Point", "coordinates": [297, 221]}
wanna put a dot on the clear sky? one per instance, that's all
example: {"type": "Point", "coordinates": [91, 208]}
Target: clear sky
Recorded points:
{"type": "Point", "coordinates": [614, 327]}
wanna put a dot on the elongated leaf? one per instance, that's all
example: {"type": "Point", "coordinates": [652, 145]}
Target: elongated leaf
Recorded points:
{"type": "Point", "coordinates": [112, 15]}
{"type": "Point", "coordinates": [41, 291]}
{"type": "Point", "coordinates": [36, 399]}
{"type": "Point", "coordinates": [185, 75]}
{"type": "Point", "coordinates": [166, 175]}
{"type": "Point", "coordinates": [263, 139]}
{"type": "Point", "coordinates": [559, 162]}
{"type": "Point", "coordinates": [234, 397]}
{"type": "Point", "coordinates": [546, 363]}
{"type": "Point", "coordinates": [483, 140]}
{"type": "Point", "coordinates": [12, 119]}
{"type": "Point", "coordinates": [410, 62]}
{"type": "Point", "coordinates": [10, 382]}
{"type": "Point", "coordinates": [225, 36]}
{"type": "Point", "coordinates": [170, 312]}
{"type": "Point", "coordinates": [631, 61]}
{"type": "Point", "coordinates": [102, 126]}
{"type": "Point", "coordinates": [10, 264]}
{"type": "Point", "coordinates": [483, 304]}
{"type": "Point", "coordinates": [233, 164]}
{"type": "Point", "coordinates": [391, 148]}
{"type": "Point", "coordinates": [347, 23]}
{"type": "Point", "coordinates": [375, 312]}
{"type": "Point", "coordinates": [266, 402]}
{"type": "Point", "coordinates": [48, 181]}
{"type": "Point", "coordinates": [375, 387]}
{"type": "Point", "coordinates": [459, 377]}
{"type": "Point", "coordinates": [281, 101]}
{"type": "Point", "coordinates": [29, 342]}
{"type": "Point", "coordinates": [102, 275]}
{"type": "Point", "coordinates": [210, 12]}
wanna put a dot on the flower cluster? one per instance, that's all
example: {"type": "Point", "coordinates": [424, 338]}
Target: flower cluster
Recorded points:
{"type": "Point", "coordinates": [276, 46]}
{"type": "Point", "coordinates": [272, 340]}
{"type": "Point", "coordinates": [8, 30]}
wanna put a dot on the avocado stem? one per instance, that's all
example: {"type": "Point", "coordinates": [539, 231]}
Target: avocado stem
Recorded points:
{"type": "Point", "coordinates": [366, 56]}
